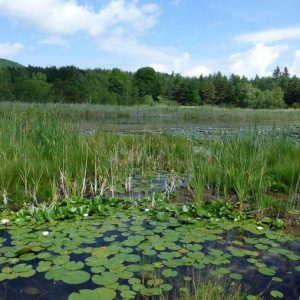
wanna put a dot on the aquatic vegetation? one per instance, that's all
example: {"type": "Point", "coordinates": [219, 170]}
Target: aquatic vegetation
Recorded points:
{"type": "Point", "coordinates": [99, 216]}
{"type": "Point", "coordinates": [45, 159]}
{"type": "Point", "coordinates": [161, 113]}
{"type": "Point", "coordinates": [129, 253]}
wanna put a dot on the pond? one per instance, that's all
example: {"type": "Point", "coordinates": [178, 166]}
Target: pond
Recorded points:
{"type": "Point", "coordinates": [191, 129]}
{"type": "Point", "coordinates": [133, 255]}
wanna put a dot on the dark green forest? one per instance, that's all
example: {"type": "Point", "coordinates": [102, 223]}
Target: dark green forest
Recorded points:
{"type": "Point", "coordinates": [145, 86]}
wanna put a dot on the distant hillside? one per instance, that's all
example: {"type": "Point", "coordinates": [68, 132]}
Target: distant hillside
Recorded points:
{"type": "Point", "coordinates": [4, 63]}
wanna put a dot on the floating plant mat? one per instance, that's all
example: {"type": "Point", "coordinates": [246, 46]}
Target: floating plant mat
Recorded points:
{"type": "Point", "coordinates": [211, 132]}
{"type": "Point", "coordinates": [130, 255]}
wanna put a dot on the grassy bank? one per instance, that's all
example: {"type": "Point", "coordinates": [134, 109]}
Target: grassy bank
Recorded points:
{"type": "Point", "coordinates": [43, 158]}
{"type": "Point", "coordinates": [86, 112]}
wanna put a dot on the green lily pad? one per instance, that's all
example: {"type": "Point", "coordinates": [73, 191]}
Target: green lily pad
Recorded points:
{"type": "Point", "coordinates": [27, 274]}
{"type": "Point", "coordinates": [27, 256]}
{"type": "Point", "coordinates": [100, 293]}
{"type": "Point", "coordinates": [128, 294]}
{"type": "Point", "coordinates": [75, 277]}
{"type": "Point", "coordinates": [277, 279]}
{"type": "Point", "coordinates": [134, 281]}
{"type": "Point", "coordinates": [169, 273]}
{"type": "Point", "coordinates": [70, 277]}
{"type": "Point", "coordinates": [21, 268]}
{"type": "Point", "coordinates": [105, 279]}
{"type": "Point", "coordinates": [236, 276]}
{"type": "Point", "coordinates": [276, 294]}
{"type": "Point", "coordinates": [267, 271]}
{"type": "Point", "coordinates": [125, 275]}
{"type": "Point", "coordinates": [155, 282]}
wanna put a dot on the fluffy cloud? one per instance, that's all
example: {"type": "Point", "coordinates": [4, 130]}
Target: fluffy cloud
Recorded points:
{"type": "Point", "coordinates": [9, 50]}
{"type": "Point", "coordinates": [257, 60]}
{"type": "Point", "coordinates": [62, 17]}
{"type": "Point", "coordinates": [270, 35]}
{"type": "Point", "coordinates": [116, 29]}
{"type": "Point", "coordinates": [199, 70]}
{"type": "Point", "coordinates": [295, 67]}
{"type": "Point", "coordinates": [161, 59]}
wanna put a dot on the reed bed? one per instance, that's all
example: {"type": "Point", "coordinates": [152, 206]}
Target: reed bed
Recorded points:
{"type": "Point", "coordinates": [87, 112]}
{"type": "Point", "coordinates": [43, 158]}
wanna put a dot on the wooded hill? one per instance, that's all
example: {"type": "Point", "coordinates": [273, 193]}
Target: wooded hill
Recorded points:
{"type": "Point", "coordinates": [145, 86]}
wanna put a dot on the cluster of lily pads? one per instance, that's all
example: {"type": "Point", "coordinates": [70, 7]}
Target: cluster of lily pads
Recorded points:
{"type": "Point", "coordinates": [157, 206]}
{"type": "Point", "coordinates": [127, 254]}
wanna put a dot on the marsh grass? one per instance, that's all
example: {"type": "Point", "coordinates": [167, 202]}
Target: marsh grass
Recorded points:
{"type": "Point", "coordinates": [210, 288]}
{"type": "Point", "coordinates": [43, 158]}
{"type": "Point", "coordinates": [248, 166]}
{"type": "Point", "coordinates": [87, 112]}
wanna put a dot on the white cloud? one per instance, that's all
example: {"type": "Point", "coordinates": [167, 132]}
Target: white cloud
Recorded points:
{"type": "Point", "coordinates": [116, 28]}
{"type": "Point", "coordinates": [56, 41]}
{"type": "Point", "coordinates": [257, 60]}
{"type": "Point", "coordinates": [295, 67]}
{"type": "Point", "coordinates": [161, 59]}
{"type": "Point", "coordinates": [61, 17]}
{"type": "Point", "coordinates": [270, 35]}
{"type": "Point", "coordinates": [159, 68]}
{"type": "Point", "coordinates": [199, 70]}
{"type": "Point", "coordinates": [9, 50]}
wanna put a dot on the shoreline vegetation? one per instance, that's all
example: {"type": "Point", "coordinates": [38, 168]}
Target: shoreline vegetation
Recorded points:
{"type": "Point", "coordinates": [45, 159]}
{"type": "Point", "coordinates": [88, 112]}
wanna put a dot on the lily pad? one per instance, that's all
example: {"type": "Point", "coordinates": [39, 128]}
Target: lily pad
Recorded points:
{"type": "Point", "coordinates": [267, 271]}
{"type": "Point", "coordinates": [169, 273]}
{"type": "Point", "coordinates": [276, 294]}
{"type": "Point", "coordinates": [75, 277]}
{"type": "Point", "coordinates": [105, 279]}
{"type": "Point", "coordinates": [236, 276]}
{"type": "Point", "coordinates": [100, 293]}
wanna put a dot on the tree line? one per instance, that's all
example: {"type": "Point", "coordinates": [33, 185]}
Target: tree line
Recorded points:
{"type": "Point", "coordinates": [146, 86]}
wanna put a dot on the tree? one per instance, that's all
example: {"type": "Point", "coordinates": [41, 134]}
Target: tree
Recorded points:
{"type": "Point", "coordinates": [147, 82]}
{"type": "Point", "coordinates": [256, 98]}
{"type": "Point", "coordinates": [276, 73]}
{"type": "Point", "coordinates": [35, 89]}
{"type": "Point", "coordinates": [6, 92]}
{"type": "Point", "coordinates": [208, 91]}
{"type": "Point", "coordinates": [187, 92]}
{"type": "Point", "coordinates": [286, 73]}
{"type": "Point", "coordinates": [292, 94]}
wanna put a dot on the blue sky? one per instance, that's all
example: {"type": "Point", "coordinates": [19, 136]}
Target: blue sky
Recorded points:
{"type": "Point", "coordinates": [191, 37]}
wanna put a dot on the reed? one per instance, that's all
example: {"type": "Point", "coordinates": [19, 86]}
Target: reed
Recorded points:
{"type": "Point", "coordinates": [140, 113]}
{"type": "Point", "coordinates": [44, 158]}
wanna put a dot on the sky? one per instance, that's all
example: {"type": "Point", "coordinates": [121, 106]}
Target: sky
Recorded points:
{"type": "Point", "coordinates": [190, 37]}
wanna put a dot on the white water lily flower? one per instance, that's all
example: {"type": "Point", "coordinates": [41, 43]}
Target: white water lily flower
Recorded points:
{"type": "Point", "coordinates": [46, 233]}
{"type": "Point", "coordinates": [4, 221]}
{"type": "Point", "coordinates": [185, 208]}
{"type": "Point", "coordinates": [86, 215]}
{"type": "Point", "coordinates": [260, 228]}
